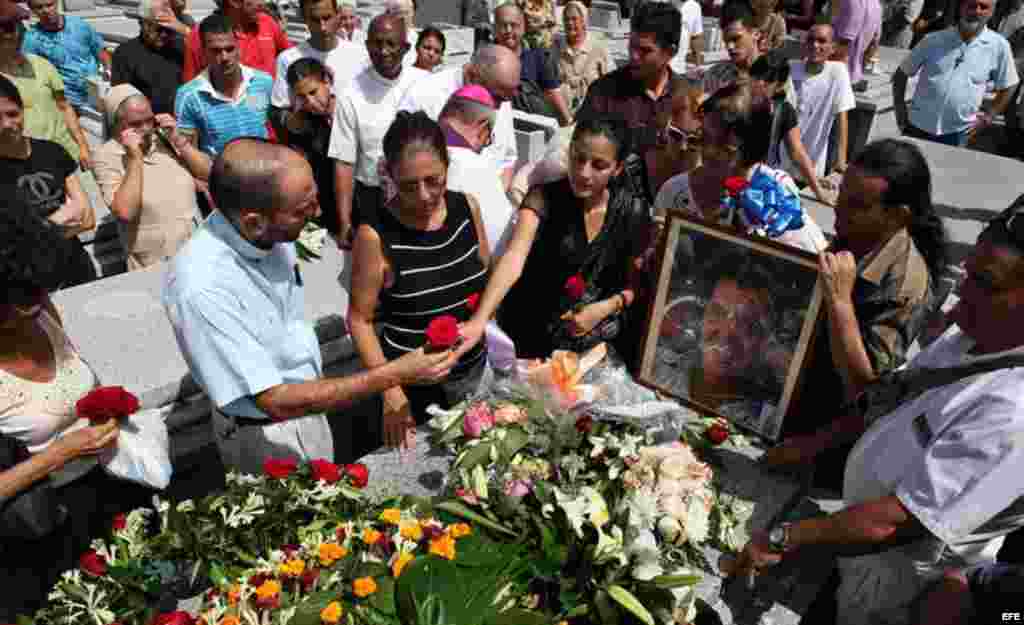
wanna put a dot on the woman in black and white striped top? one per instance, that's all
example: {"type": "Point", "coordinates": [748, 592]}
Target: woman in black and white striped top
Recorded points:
{"type": "Point", "coordinates": [419, 256]}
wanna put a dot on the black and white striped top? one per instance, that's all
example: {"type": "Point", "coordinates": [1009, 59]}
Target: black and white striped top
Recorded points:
{"type": "Point", "coordinates": [435, 273]}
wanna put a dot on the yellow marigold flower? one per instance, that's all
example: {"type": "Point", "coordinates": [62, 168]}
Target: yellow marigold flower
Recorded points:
{"type": "Point", "coordinates": [459, 530]}
{"type": "Point", "coordinates": [292, 568]}
{"type": "Point", "coordinates": [364, 587]}
{"type": "Point", "coordinates": [234, 594]}
{"type": "Point", "coordinates": [371, 536]}
{"type": "Point", "coordinates": [230, 619]}
{"type": "Point", "coordinates": [412, 531]}
{"type": "Point", "coordinates": [391, 515]}
{"type": "Point", "coordinates": [332, 613]}
{"type": "Point", "coordinates": [443, 546]}
{"type": "Point", "coordinates": [329, 553]}
{"type": "Point", "coordinates": [400, 562]}
{"type": "Point", "coordinates": [268, 590]}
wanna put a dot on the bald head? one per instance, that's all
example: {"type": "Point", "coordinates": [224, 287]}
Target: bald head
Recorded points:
{"type": "Point", "coordinates": [246, 176]}
{"type": "Point", "coordinates": [386, 22]}
{"type": "Point", "coordinates": [496, 68]}
{"type": "Point", "coordinates": [509, 10]}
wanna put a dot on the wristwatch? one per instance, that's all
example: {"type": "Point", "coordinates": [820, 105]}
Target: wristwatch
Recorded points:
{"type": "Point", "coordinates": [778, 538]}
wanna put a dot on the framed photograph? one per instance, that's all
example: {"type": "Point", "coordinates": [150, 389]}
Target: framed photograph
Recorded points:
{"type": "Point", "coordinates": [730, 324]}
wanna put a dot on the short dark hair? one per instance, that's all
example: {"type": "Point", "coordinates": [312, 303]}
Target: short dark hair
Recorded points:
{"type": "Point", "coordinates": [305, 68]}
{"type": "Point", "coordinates": [431, 31]}
{"type": "Point", "coordinates": [236, 184]}
{"type": "Point", "coordinates": [771, 66]}
{"type": "Point", "coordinates": [661, 19]}
{"type": "Point", "coordinates": [752, 128]}
{"type": "Point", "coordinates": [736, 11]}
{"type": "Point", "coordinates": [610, 127]}
{"type": "Point", "coordinates": [10, 91]}
{"type": "Point", "coordinates": [215, 24]}
{"type": "Point", "coordinates": [409, 128]}
{"type": "Point", "coordinates": [304, 3]}
{"type": "Point", "coordinates": [34, 253]}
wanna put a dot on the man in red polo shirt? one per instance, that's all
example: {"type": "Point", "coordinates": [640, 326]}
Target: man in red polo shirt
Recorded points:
{"type": "Point", "coordinates": [260, 39]}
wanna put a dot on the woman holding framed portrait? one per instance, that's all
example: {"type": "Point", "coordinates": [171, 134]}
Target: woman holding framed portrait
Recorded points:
{"type": "Point", "coordinates": [564, 281]}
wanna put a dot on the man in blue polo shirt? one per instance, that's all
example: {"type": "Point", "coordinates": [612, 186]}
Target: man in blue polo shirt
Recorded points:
{"type": "Point", "coordinates": [956, 66]}
{"type": "Point", "coordinates": [227, 100]}
{"type": "Point", "coordinates": [71, 45]}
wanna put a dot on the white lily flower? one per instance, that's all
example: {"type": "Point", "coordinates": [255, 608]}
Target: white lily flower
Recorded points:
{"type": "Point", "coordinates": [480, 482]}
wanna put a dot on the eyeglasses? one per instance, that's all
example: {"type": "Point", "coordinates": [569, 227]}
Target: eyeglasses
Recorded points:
{"type": "Point", "coordinates": [671, 135]}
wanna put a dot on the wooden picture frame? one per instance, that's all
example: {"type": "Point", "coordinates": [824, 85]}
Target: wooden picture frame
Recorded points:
{"type": "Point", "coordinates": [731, 323]}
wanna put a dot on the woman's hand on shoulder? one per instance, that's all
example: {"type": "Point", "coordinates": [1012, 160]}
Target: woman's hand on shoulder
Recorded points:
{"type": "Point", "coordinates": [90, 440]}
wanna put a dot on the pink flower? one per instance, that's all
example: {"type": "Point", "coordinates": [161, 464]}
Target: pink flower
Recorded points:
{"type": "Point", "coordinates": [510, 414]}
{"type": "Point", "coordinates": [477, 420]}
{"type": "Point", "coordinates": [517, 488]}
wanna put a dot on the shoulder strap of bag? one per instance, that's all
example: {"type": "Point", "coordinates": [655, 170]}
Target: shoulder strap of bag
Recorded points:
{"type": "Point", "coordinates": [893, 386]}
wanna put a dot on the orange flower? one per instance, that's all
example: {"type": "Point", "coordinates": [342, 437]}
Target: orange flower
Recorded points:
{"type": "Point", "coordinates": [332, 613]}
{"type": "Point", "coordinates": [268, 590]}
{"type": "Point", "coordinates": [459, 530]}
{"type": "Point", "coordinates": [400, 562]}
{"type": "Point", "coordinates": [292, 568]}
{"type": "Point", "coordinates": [230, 620]}
{"type": "Point", "coordinates": [329, 553]}
{"type": "Point", "coordinates": [234, 594]}
{"type": "Point", "coordinates": [371, 536]}
{"type": "Point", "coordinates": [412, 531]}
{"type": "Point", "coordinates": [364, 587]}
{"type": "Point", "coordinates": [391, 515]}
{"type": "Point", "coordinates": [443, 546]}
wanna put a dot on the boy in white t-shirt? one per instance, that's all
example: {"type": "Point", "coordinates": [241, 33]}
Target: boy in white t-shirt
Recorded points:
{"type": "Point", "coordinates": [825, 95]}
{"type": "Point", "coordinates": [691, 42]}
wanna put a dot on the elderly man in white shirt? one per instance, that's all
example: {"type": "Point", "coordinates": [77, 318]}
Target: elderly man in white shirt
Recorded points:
{"type": "Point", "coordinates": [235, 299]}
{"type": "Point", "coordinates": [406, 10]}
{"type": "Point", "coordinates": [935, 483]}
{"type": "Point", "coordinates": [496, 69]}
{"type": "Point", "coordinates": [362, 115]}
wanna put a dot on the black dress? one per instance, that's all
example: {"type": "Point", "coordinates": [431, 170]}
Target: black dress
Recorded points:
{"type": "Point", "coordinates": [435, 273]}
{"type": "Point", "coordinates": [313, 144]}
{"type": "Point", "coordinates": [531, 311]}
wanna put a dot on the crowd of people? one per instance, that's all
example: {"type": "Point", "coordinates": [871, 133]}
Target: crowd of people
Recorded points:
{"type": "Point", "coordinates": [225, 139]}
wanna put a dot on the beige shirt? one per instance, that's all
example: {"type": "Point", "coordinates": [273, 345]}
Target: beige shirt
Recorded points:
{"type": "Point", "coordinates": [38, 413]}
{"type": "Point", "coordinates": [168, 213]}
{"type": "Point", "coordinates": [581, 66]}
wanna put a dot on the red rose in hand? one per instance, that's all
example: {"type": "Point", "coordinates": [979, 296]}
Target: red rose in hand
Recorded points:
{"type": "Point", "coordinates": [120, 521]}
{"type": "Point", "coordinates": [324, 470]}
{"type": "Point", "coordinates": [584, 424]}
{"type": "Point", "coordinates": [278, 468]}
{"type": "Point", "coordinates": [735, 184]}
{"type": "Point", "coordinates": [179, 617]}
{"type": "Point", "coordinates": [575, 287]}
{"type": "Point", "coordinates": [442, 333]}
{"type": "Point", "coordinates": [473, 302]}
{"type": "Point", "coordinates": [93, 563]}
{"type": "Point", "coordinates": [105, 403]}
{"type": "Point", "coordinates": [358, 473]}
{"type": "Point", "coordinates": [717, 433]}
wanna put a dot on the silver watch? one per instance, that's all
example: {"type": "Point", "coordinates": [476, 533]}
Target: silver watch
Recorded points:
{"type": "Point", "coordinates": [778, 538]}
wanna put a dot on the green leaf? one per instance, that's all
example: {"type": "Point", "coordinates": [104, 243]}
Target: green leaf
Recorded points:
{"type": "Point", "coordinates": [462, 510]}
{"type": "Point", "coordinates": [517, 616]}
{"type": "Point", "coordinates": [384, 599]}
{"type": "Point", "coordinates": [515, 439]}
{"type": "Point", "coordinates": [473, 456]}
{"type": "Point", "coordinates": [626, 599]}
{"type": "Point", "coordinates": [605, 609]}
{"type": "Point", "coordinates": [675, 581]}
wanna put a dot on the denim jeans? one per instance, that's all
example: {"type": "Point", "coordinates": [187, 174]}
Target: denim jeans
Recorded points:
{"type": "Point", "coordinates": [955, 139]}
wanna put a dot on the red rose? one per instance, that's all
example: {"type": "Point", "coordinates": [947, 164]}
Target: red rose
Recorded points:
{"type": "Point", "coordinates": [442, 332]}
{"type": "Point", "coordinates": [473, 302]}
{"type": "Point", "coordinates": [179, 617]}
{"type": "Point", "coordinates": [257, 580]}
{"type": "Point", "coordinates": [575, 287]}
{"type": "Point", "coordinates": [278, 468]}
{"type": "Point", "coordinates": [584, 424]}
{"type": "Point", "coordinates": [290, 550]}
{"type": "Point", "coordinates": [358, 473]}
{"type": "Point", "coordinates": [735, 184]}
{"type": "Point", "coordinates": [120, 521]}
{"type": "Point", "coordinates": [340, 534]}
{"type": "Point", "coordinates": [717, 433]}
{"type": "Point", "coordinates": [308, 579]}
{"type": "Point", "coordinates": [105, 403]}
{"type": "Point", "coordinates": [324, 470]}
{"type": "Point", "coordinates": [93, 563]}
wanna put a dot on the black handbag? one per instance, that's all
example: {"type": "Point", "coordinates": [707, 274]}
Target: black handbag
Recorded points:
{"type": "Point", "coordinates": [32, 513]}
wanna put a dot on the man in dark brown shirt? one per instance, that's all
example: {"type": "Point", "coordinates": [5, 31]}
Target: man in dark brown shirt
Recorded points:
{"type": "Point", "coordinates": [641, 92]}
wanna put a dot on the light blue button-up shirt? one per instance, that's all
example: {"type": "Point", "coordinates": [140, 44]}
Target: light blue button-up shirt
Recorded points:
{"type": "Point", "coordinates": [954, 77]}
{"type": "Point", "coordinates": [238, 316]}
{"type": "Point", "coordinates": [74, 50]}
